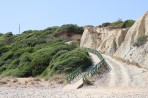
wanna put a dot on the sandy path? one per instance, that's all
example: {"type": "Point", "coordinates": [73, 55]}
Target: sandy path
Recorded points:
{"type": "Point", "coordinates": [113, 75]}
{"type": "Point", "coordinates": [119, 75]}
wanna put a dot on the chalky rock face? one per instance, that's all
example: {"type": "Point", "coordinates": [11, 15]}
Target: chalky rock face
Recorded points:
{"type": "Point", "coordinates": [111, 39]}
{"type": "Point", "coordinates": [90, 38]}
{"type": "Point", "coordinates": [106, 40]}
{"type": "Point", "coordinates": [128, 51]}
{"type": "Point", "coordinates": [119, 42]}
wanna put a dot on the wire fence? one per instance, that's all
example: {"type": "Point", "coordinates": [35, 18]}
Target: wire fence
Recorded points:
{"type": "Point", "coordinates": [90, 72]}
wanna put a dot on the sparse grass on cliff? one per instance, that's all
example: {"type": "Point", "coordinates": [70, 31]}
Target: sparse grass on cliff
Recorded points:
{"type": "Point", "coordinates": [140, 40]}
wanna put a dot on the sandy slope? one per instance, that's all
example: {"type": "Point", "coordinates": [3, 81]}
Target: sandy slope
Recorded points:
{"type": "Point", "coordinates": [122, 75]}
{"type": "Point", "coordinates": [119, 75]}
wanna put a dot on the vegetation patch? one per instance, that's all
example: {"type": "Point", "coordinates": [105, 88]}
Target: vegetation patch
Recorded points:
{"type": "Point", "coordinates": [140, 41]}
{"type": "Point", "coordinates": [88, 81]}
{"type": "Point", "coordinates": [118, 24]}
{"type": "Point", "coordinates": [41, 53]}
{"type": "Point", "coordinates": [67, 62]}
{"type": "Point", "coordinates": [69, 28]}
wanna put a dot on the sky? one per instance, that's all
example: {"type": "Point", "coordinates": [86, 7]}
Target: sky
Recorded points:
{"type": "Point", "coordinates": [40, 14]}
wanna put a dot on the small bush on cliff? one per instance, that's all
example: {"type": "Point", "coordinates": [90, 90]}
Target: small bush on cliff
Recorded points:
{"type": "Point", "coordinates": [106, 24]}
{"type": "Point", "coordinates": [140, 41]}
{"type": "Point", "coordinates": [127, 23]}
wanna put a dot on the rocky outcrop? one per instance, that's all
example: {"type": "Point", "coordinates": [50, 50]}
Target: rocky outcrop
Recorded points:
{"type": "Point", "coordinates": [128, 51]}
{"type": "Point", "coordinates": [90, 38]}
{"type": "Point", "coordinates": [111, 39]}
{"type": "Point", "coordinates": [119, 42]}
{"type": "Point", "coordinates": [106, 40]}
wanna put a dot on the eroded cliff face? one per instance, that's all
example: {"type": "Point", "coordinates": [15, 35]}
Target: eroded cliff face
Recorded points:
{"type": "Point", "coordinates": [106, 40]}
{"type": "Point", "coordinates": [119, 42]}
{"type": "Point", "coordinates": [90, 38]}
{"type": "Point", "coordinates": [111, 39]}
{"type": "Point", "coordinates": [128, 51]}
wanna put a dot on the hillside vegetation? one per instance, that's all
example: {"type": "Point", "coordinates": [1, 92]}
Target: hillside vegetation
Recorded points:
{"type": "Point", "coordinates": [41, 52]}
{"type": "Point", "coordinates": [118, 24]}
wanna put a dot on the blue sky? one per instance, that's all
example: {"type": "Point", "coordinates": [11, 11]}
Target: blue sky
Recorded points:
{"type": "Point", "coordinates": [39, 14]}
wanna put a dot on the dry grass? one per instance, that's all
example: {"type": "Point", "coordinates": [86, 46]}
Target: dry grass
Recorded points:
{"type": "Point", "coordinates": [58, 79]}
{"type": "Point", "coordinates": [3, 82]}
{"type": "Point", "coordinates": [37, 79]}
{"type": "Point", "coordinates": [55, 81]}
{"type": "Point", "coordinates": [14, 80]}
{"type": "Point", "coordinates": [88, 81]}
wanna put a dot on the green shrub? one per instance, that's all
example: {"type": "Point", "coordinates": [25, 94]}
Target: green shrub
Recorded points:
{"type": "Point", "coordinates": [119, 24]}
{"type": "Point", "coordinates": [25, 58]}
{"type": "Point", "coordinates": [2, 69]}
{"type": "Point", "coordinates": [140, 40]}
{"type": "Point", "coordinates": [7, 56]}
{"type": "Point", "coordinates": [34, 51]}
{"type": "Point", "coordinates": [69, 28]}
{"type": "Point", "coordinates": [15, 62]}
{"type": "Point", "coordinates": [9, 34]}
{"type": "Point", "coordinates": [1, 34]}
{"type": "Point", "coordinates": [23, 70]}
{"type": "Point", "coordinates": [1, 62]}
{"type": "Point", "coordinates": [42, 58]}
{"type": "Point", "coordinates": [50, 30]}
{"type": "Point", "coordinates": [3, 49]}
{"type": "Point", "coordinates": [127, 23]}
{"type": "Point", "coordinates": [68, 62]}
{"type": "Point", "coordinates": [106, 24]}
{"type": "Point", "coordinates": [88, 26]}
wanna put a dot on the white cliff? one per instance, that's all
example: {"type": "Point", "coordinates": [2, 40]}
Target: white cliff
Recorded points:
{"type": "Point", "coordinates": [119, 42]}
{"type": "Point", "coordinates": [127, 49]}
{"type": "Point", "coordinates": [106, 40]}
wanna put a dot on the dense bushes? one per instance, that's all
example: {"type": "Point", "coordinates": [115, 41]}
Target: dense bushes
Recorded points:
{"type": "Point", "coordinates": [1, 34]}
{"type": "Point", "coordinates": [43, 57]}
{"type": "Point", "coordinates": [69, 28]}
{"type": "Point", "coordinates": [56, 30]}
{"type": "Point", "coordinates": [119, 24]}
{"type": "Point", "coordinates": [3, 49]}
{"type": "Point", "coordinates": [38, 52]}
{"type": "Point", "coordinates": [67, 62]}
{"type": "Point", "coordinates": [51, 30]}
{"type": "Point", "coordinates": [106, 24]}
{"type": "Point", "coordinates": [127, 23]}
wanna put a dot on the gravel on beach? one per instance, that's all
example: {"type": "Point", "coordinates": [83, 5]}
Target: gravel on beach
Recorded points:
{"type": "Point", "coordinates": [33, 92]}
